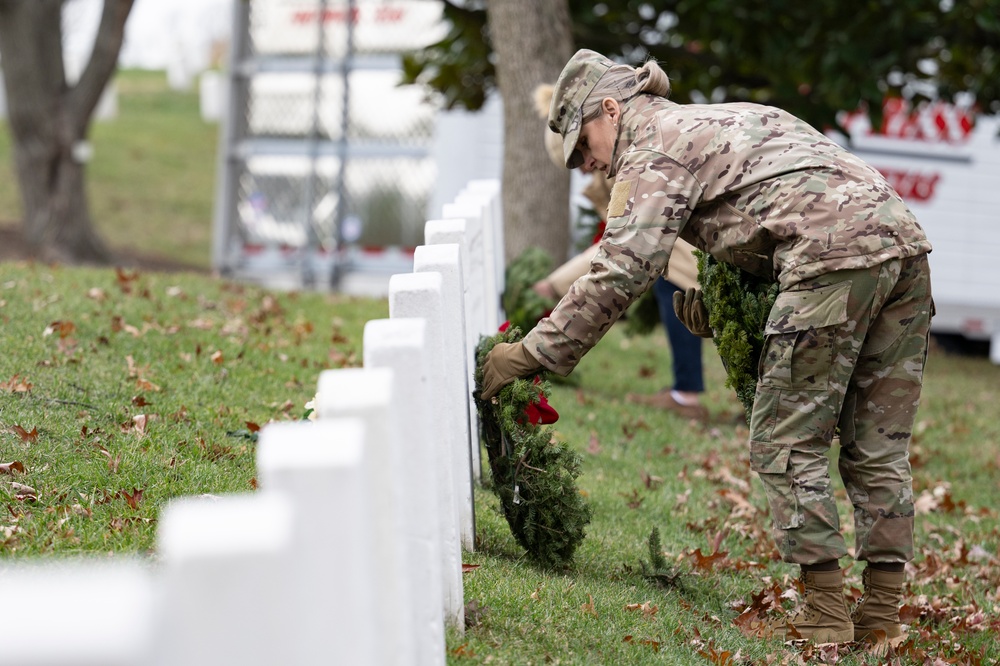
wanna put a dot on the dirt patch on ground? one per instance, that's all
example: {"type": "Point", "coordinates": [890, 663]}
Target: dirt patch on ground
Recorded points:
{"type": "Point", "coordinates": [13, 248]}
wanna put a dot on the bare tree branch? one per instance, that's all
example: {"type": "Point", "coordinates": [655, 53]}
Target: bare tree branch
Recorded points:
{"type": "Point", "coordinates": [86, 93]}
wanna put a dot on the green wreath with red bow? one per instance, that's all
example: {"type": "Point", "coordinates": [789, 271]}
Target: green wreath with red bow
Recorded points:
{"type": "Point", "coordinates": [532, 474]}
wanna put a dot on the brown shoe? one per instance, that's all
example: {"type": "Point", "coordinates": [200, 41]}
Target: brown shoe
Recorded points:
{"type": "Point", "coordinates": [663, 400]}
{"type": "Point", "coordinates": [824, 617]}
{"type": "Point", "coordinates": [876, 617]}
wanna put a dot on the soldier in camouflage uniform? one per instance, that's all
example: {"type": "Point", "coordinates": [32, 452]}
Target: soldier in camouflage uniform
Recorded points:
{"type": "Point", "coordinates": [846, 338]}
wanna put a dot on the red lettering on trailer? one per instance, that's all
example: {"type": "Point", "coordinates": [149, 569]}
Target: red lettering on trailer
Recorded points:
{"type": "Point", "coordinates": [934, 122]}
{"type": "Point", "coordinates": [389, 15]}
{"type": "Point", "coordinates": [912, 185]}
{"type": "Point", "coordinates": [329, 16]}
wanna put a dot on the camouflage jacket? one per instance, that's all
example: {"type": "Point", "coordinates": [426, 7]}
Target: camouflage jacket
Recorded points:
{"type": "Point", "coordinates": [750, 184]}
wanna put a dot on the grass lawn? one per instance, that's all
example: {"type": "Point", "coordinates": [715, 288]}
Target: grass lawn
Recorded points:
{"type": "Point", "coordinates": [120, 391]}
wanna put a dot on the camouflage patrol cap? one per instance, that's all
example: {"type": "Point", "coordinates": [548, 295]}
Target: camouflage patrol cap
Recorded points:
{"type": "Point", "coordinates": [575, 83]}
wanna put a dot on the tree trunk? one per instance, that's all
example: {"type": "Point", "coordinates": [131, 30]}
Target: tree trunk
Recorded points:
{"type": "Point", "coordinates": [532, 41]}
{"type": "Point", "coordinates": [49, 121]}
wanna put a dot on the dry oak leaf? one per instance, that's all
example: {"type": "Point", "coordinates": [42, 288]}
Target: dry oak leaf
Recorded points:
{"type": "Point", "coordinates": [11, 467]}
{"type": "Point", "coordinates": [707, 562]}
{"type": "Point", "coordinates": [463, 651]}
{"type": "Point", "coordinates": [28, 436]}
{"type": "Point", "coordinates": [647, 608]}
{"type": "Point", "coordinates": [113, 461]}
{"type": "Point", "coordinates": [63, 328]}
{"type": "Point", "coordinates": [23, 492]}
{"type": "Point", "coordinates": [125, 279]}
{"type": "Point", "coordinates": [139, 422]}
{"type": "Point", "coordinates": [467, 568]}
{"type": "Point", "coordinates": [644, 641]}
{"type": "Point", "coordinates": [16, 385]}
{"type": "Point", "coordinates": [133, 499]}
{"type": "Point", "coordinates": [588, 607]}
{"type": "Point", "coordinates": [651, 481]}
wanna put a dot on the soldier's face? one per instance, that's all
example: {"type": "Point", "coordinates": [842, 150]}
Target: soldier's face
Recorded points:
{"type": "Point", "coordinates": [597, 139]}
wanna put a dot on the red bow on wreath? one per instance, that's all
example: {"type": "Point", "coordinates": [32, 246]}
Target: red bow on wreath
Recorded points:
{"type": "Point", "coordinates": [541, 412]}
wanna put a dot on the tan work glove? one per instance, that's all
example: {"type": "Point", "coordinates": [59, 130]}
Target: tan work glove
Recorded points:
{"type": "Point", "coordinates": [506, 362]}
{"type": "Point", "coordinates": [690, 309]}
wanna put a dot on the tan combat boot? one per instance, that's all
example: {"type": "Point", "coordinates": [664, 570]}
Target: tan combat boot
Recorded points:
{"type": "Point", "coordinates": [824, 617]}
{"type": "Point", "coordinates": [878, 607]}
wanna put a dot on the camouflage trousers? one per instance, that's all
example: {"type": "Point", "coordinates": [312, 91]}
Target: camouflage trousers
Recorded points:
{"type": "Point", "coordinates": [843, 351]}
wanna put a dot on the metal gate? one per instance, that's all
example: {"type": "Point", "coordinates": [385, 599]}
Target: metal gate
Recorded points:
{"type": "Point", "coordinates": [324, 164]}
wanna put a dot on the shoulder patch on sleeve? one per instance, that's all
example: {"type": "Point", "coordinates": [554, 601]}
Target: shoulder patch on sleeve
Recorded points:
{"type": "Point", "coordinates": [619, 198]}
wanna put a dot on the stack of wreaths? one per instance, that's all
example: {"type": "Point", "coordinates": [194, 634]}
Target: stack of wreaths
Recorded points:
{"type": "Point", "coordinates": [738, 304]}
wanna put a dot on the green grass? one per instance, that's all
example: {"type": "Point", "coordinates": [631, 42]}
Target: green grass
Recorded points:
{"type": "Point", "coordinates": [151, 182]}
{"type": "Point", "coordinates": [146, 384]}
{"type": "Point", "coordinates": [209, 357]}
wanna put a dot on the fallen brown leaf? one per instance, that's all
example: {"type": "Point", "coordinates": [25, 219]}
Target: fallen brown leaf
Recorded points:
{"type": "Point", "coordinates": [474, 614]}
{"type": "Point", "coordinates": [466, 568]}
{"type": "Point", "coordinates": [463, 651]}
{"type": "Point", "coordinates": [146, 385]}
{"type": "Point", "coordinates": [706, 562]}
{"type": "Point", "coordinates": [11, 467]}
{"type": "Point", "coordinates": [633, 501]}
{"type": "Point", "coordinates": [16, 385]}
{"type": "Point", "coordinates": [23, 492]}
{"type": "Point", "coordinates": [644, 641]}
{"type": "Point", "coordinates": [651, 481]}
{"type": "Point", "coordinates": [630, 429]}
{"type": "Point", "coordinates": [647, 608]}
{"type": "Point", "coordinates": [133, 499]}
{"type": "Point", "coordinates": [112, 460]}
{"type": "Point", "coordinates": [63, 328]}
{"type": "Point", "coordinates": [125, 279]}
{"type": "Point", "coordinates": [28, 436]}
{"type": "Point", "coordinates": [588, 607]}
{"type": "Point", "coordinates": [140, 421]}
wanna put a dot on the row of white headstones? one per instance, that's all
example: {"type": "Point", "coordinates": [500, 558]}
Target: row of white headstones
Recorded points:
{"type": "Point", "coordinates": [350, 551]}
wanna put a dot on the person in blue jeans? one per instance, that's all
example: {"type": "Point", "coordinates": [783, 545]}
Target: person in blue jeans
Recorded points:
{"type": "Point", "coordinates": [685, 348]}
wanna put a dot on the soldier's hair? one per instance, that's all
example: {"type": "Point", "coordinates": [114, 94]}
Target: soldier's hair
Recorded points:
{"type": "Point", "coordinates": [542, 97]}
{"type": "Point", "coordinates": [622, 82]}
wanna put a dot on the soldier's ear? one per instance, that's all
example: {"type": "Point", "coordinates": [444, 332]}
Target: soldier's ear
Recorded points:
{"type": "Point", "coordinates": [611, 107]}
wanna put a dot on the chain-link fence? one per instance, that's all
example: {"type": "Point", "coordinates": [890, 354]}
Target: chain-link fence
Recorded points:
{"type": "Point", "coordinates": [322, 152]}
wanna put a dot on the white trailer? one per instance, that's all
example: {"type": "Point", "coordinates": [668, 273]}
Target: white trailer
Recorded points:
{"type": "Point", "coordinates": [944, 160]}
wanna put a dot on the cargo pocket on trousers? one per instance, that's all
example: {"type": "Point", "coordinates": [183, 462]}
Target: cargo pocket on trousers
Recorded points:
{"type": "Point", "coordinates": [770, 462]}
{"type": "Point", "coordinates": [800, 337]}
